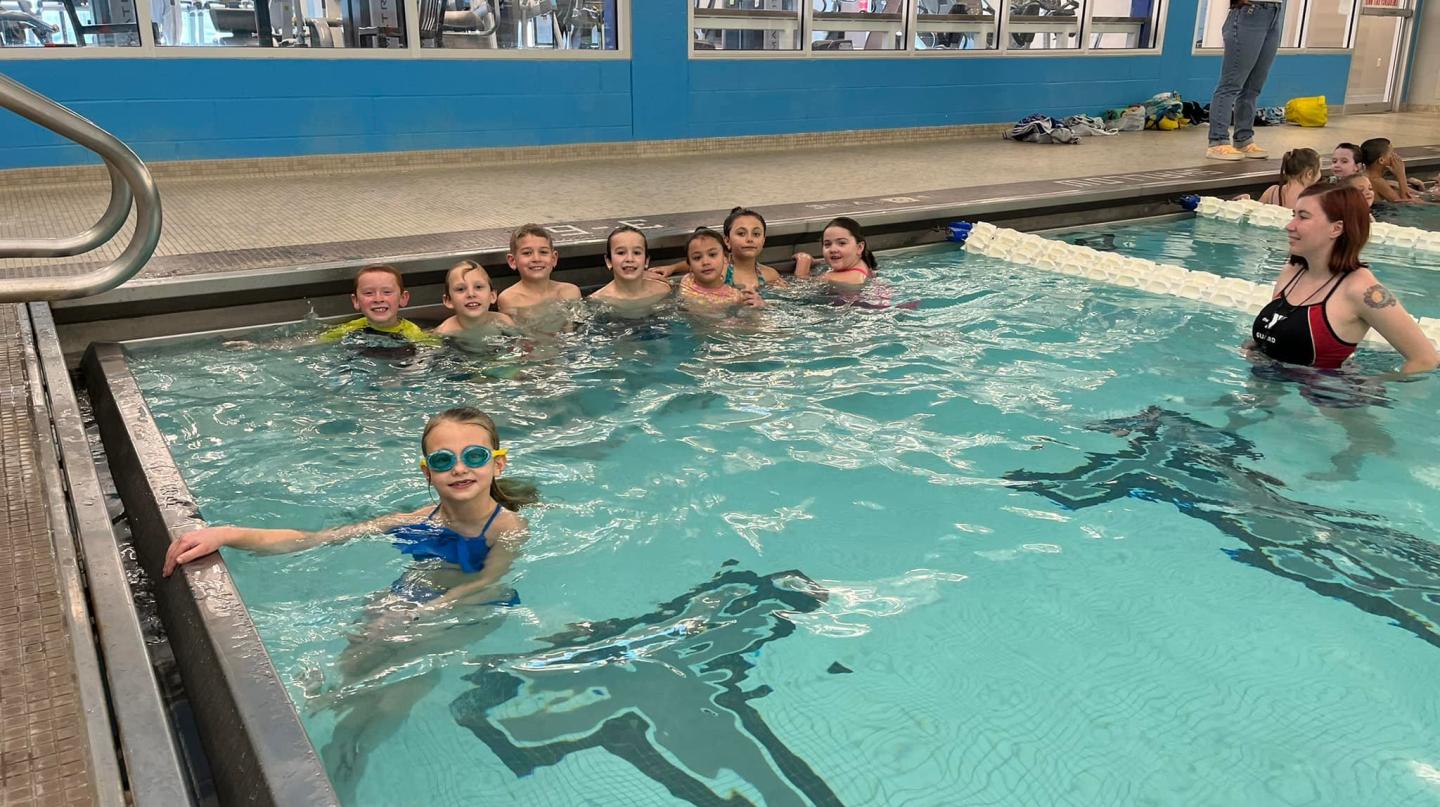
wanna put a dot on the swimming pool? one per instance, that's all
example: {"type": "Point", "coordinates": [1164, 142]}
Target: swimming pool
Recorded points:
{"type": "Point", "coordinates": [1032, 543]}
{"type": "Point", "coordinates": [1257, 254]}
{"type": "Point", "coordinates": [1424, 216]}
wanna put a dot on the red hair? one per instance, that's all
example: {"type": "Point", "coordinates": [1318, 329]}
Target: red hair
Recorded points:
{"type": "Point", "coordinates": [381, 269]}
{"type": "Point", "coordinates": [1345, 204]}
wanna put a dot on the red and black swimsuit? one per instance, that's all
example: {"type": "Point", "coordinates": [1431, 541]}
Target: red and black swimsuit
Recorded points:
{"type": "Point", "coordinates": [1301, 334]}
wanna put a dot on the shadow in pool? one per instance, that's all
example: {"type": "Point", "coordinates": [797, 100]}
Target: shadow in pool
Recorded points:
{"type": "Point", "coordinates": [1345, 554]}
{"type": "Point", "coordinates": [661, 691]}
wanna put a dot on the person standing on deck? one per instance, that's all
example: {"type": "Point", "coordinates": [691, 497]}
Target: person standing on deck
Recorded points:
{"type": "Point", "coordinates": [1251, 34]}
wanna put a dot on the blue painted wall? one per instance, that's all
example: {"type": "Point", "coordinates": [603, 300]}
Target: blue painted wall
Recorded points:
{"type": "Point", "coordinates": [173, 109]}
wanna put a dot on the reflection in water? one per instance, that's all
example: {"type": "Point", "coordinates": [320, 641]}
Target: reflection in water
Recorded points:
{"type": "Point", "coordinates": [671, 678]}
{"type": "Point", "coordinates": [1346, 554]}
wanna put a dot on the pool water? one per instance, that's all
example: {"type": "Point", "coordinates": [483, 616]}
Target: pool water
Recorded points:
{"type": "Point", "coordinates": [1425, 216]}
{"type": "Point", "coordinates": [1036, 542]}
{"type": "Point", "coordinates": [1257, 254]}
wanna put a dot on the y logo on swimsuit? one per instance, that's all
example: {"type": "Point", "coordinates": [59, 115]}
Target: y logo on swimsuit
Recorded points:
{"type": "Point", "coordinates": [1274, 320]}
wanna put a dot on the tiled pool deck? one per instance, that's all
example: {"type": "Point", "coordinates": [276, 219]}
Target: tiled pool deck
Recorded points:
{"type": "Point", "coordinates": [43, 753]}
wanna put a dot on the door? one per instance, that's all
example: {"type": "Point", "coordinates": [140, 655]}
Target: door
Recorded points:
{"type": "Point", "coordinates": [1382, 39]}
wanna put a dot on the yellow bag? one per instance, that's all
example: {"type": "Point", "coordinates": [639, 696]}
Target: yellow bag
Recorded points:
{"type": "Point", "coordinates": [1311, 111]}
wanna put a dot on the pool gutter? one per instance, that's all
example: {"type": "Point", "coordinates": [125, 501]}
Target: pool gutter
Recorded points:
{"type": "Point", "coordinates": [176, 299]}
{"type": "Point", "coordinates": [116, 676]}
{"type": "Point", "coordinates": [257, 749]}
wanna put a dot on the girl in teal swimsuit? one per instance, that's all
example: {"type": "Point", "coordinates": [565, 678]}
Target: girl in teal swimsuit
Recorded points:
{"type": "Point", "coordinates": [745, 235]}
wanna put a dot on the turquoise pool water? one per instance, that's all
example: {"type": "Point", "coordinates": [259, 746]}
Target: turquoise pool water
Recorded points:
{"type": "Point", "coordinates": [1257, 253]}
{"type": "Point", "coordinates": [1037, 542]}
{"type": "Point", "coordinates": [1424, 216]}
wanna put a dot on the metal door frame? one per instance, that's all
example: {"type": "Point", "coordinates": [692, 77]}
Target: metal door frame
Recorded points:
{"type": "Point", "coordinates": [1401, 55]}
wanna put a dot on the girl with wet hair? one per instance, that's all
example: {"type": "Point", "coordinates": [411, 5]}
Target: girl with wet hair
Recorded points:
{"type": "Point", "coordinates": [744, 237]}
{"type": "Point", "coordinates": [1346, 161]}
{"type": "Point", "coordinates": [1299, 169]}
{"type": "Point", "coordinates": [744, 233]}
{"type": "Point", "coordinates": [708, 260]}
{"type": "Point", "coordinates": [466, 542]}
{"type": "Point", "coordinates": [843, 246]}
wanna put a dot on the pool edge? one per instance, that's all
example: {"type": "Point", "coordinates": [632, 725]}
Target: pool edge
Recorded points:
{"type": "Point", "coordinates": [258, 750]}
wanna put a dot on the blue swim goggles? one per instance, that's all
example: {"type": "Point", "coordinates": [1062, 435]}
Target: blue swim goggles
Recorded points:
{"type": "Point", "coordinates": [473, 457]}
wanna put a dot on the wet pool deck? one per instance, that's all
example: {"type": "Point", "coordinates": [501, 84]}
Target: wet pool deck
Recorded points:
{"type": "Point", "coordinates": [239, 218]}
{"type": "Point", "coordinates": [44, 757]}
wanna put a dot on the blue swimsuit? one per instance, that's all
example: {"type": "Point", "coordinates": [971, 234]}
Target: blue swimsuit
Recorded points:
{"type": "Point", "coordinates": [428, 539]}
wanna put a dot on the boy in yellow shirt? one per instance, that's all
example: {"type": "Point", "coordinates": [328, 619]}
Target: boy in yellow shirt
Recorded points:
{"type": "Point", "coordinates": [379, 295]}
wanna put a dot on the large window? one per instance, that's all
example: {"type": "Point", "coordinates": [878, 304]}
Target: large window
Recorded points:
{"type": "Point", "coordinates": [747, 24]}
{"type": "Point", "coordinates": [935, 26]}
{"type": "Point", "coordinates": [1123, 24]}
{"type": "Point", "coordinates": [948, 25]}
{"type": "Point", "coordinates": [68, 23]}
{"type": "Point", "coordinates": [511, 24]}
{"type": "Point", "coordinates": [858, 25]}
{"type": "Point", "coordinates": [1044, 24]}
{"type": "Point", "coordinates": [1327, 25]}
{"type": "Point", "coordinates": [1308, 23]}
{"type": "Point", "coordinates": [474, 24]}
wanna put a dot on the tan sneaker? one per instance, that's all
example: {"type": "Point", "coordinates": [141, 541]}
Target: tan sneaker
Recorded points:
{"type": "Point", "coordinates": [1225, 151]}
{"type": "Point", "coordinates": [1254, 152]}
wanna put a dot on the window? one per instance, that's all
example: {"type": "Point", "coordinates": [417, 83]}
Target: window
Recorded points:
{"type": "Point", "coordinates": [285, 23]}
{"type": "Point", "coordinates": [1328, 24]}
{"type": "Point", "coordinates": [1044, 24]}
{"type": "Point", "coordinates": [68, 23]}
{"type": "Point", "coordinates": [948, 25]}
{"type": "Point", "coordinates": [1322, 23]}
{"type": "Point", "coordinates": [1127, 24]}
{"type": "Point", "coordinates": [514, 24]}
{"type": "Point", "coordinates": [746, 25]}
{"type": "Point", "coordinates": [858, 25]}
{"type": "Point", "coordinates": [932, 26]}
{"type": "Point", "coordinates": [472, 24]}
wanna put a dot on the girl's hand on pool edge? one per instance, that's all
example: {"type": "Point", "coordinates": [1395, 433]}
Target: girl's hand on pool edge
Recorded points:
{"type": "Point", "coordinates": [193, 545]}
{"type": "Point", "coordinates": [803, 262]}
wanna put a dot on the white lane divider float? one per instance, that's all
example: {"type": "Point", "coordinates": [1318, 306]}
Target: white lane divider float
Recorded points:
{"type": "Point", "coordinates": [1274, 217]}
{"type": "Point", "coordinates": [1028, 249]}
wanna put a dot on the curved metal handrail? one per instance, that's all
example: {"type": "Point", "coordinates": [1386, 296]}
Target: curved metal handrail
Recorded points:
{"type": "Point", "coordinates": [128, 178]}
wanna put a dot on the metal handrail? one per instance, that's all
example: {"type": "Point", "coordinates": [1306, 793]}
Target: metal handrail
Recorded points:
{"type": "Point", "coordinates": [128, 178]}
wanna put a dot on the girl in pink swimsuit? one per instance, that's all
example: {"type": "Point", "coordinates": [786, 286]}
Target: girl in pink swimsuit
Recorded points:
{"type": "Point", "coordinates": [704, 285]}
{"type": "Point", "coordinates": [842, 243]}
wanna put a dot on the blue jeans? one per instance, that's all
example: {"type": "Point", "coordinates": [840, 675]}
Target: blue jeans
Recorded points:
{"type": "Point", "coordinates": [1251, 34]}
